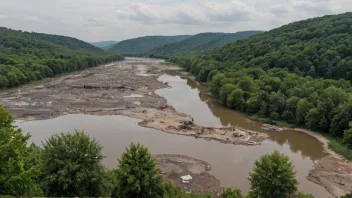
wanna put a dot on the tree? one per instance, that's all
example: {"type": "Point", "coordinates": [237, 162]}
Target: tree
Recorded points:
{"type": "Point", "coordinates": [16, 178]}
{"type": "Point", "coordinates": [347, 196]}
{"type": "Point", "coordinates": [273, 176]}
{"type": "Point", "coordinates": [347, 136]}
{"type": "Point", "coordinates": [231, 193]}
{"type": "Point", "coordinates": [137, 175]}
{"type": "Point", "coordinates": [235, 100]}
{"type": "Point", "coordinates": [71, 166]}
{"type": "Point", "coordinates": [215, 84]}
{"type": "Point", "coordinates": [303, 195]}
{"type": "Point", "coordinates": [225, 91]}
{"type": "Point", "coordinates": [303, 106]}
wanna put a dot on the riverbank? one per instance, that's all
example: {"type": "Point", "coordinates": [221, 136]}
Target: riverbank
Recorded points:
{"type": "Point", "coordinates": [173, 167]}
{"type": "Point", "coordinates": [333, 171]}
{"type": "Point", "coordinates": [128, 88]}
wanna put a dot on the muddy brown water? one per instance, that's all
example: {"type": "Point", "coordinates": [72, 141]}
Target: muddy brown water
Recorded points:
{"type": "Point", "coordinates": [231, 164]}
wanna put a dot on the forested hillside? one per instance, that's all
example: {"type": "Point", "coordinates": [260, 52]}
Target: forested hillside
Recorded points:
{"type": "Point", "coordinates": [26, 57]}
{"type": "Point", "coordinates": [284, 75]}
{"type": "Point", "coordinates": [66, 41]}
{"type": "Point", "coordinates": [200, 43]}
{"type": "Point", "coordinates": [144, 44]}
{"type": "Point", "coordinates": [105, 45]}
{"type": "Point", "coordinates": [318, 47]}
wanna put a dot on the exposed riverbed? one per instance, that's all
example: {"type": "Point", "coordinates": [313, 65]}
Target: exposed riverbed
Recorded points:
{"type": "Point", "coordinates": [230, 163]}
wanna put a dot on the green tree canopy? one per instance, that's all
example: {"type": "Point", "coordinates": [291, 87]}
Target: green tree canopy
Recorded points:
{"type": "Point", "coordinates": [137, 175]}
{"type": "Point", "coordinates": [273, 176]}
{"type": "Point", "coordinates": [71, 166]}
{"type": "Point", "coordinates": [16, 178]}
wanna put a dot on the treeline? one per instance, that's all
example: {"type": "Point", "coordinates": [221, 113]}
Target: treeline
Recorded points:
{"type": "Point", "coordinates": [323, 105]}
{"type": "Point", "coordinates": [287, 89]}
{"type": "Point", "coordinates": [69, 165]}
{"type": "Point", "coordinates": [144, 44]}
{"type": "Point", "coordinates": [200, 43]}
{"type": "Point", "coordinates": [318, 47]}
{"type": "Point", "coordinates": [24, 58]}
{"type": "Point", "coordinates": [66, 41]}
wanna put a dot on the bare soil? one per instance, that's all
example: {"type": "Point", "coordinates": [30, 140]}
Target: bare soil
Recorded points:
{"type": "Point", "coordinates": [333, 172]}
{"type": "Point", "coordinates": [121, 88]}
{"type": "Point", "coordinates": [127, 88]}
{"type": "Point", "coordinates": [172, 167]}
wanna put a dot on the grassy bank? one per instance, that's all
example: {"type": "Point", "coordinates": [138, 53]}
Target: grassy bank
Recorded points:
{"type": "Point", "coordinates": [336, 145]}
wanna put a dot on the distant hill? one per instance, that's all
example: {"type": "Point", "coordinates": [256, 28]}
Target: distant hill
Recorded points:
{"type": "Point", "coordinates": [26, 57]}
{"type": "Point", "coordinates": [200, 43]}
{"type": "Point", "coordinates": [66, 41]}
{"type": "Point", "coordinates": [144, 44]}
{"type": "Point", "coordinates": [105, 45]}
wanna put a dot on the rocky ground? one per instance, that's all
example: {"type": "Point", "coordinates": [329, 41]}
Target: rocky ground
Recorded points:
{"type": "Point", "coordinates": [333, 172]}
{"type": "Point", "coordinates": [127, 88]}
{"type": "Point", "coordinates": [122, 88]}
{"type": "Point", "coordinates": [173, 167]}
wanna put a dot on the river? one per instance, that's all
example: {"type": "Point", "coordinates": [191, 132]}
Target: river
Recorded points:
{"type": "Point", "coordinates": [231, 164]}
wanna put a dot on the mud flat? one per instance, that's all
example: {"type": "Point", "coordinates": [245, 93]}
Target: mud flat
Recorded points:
{"type": "Point", "coordinates": [173, 167]}
{"type": "Point", "coordinates": [128, 88]}
{"type": "Point", "coordinates": [121, 88]}
{"type": "Point", "coordinates": [333, 172]}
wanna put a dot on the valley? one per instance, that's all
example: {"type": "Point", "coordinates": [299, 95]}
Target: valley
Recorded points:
{"type": "Point", "coordinates": [140, 88]}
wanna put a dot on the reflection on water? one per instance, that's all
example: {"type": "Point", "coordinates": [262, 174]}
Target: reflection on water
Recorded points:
{"type": "Point", "coordinates": [230, 163]}
{"type": "Point", "coordinates": [186, 97]}
{"type": "Point", "coordinates": [302, 148]}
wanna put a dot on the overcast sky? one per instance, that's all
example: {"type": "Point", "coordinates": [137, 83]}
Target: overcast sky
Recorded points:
{"type": "Point", "coordinates": [98, 20]}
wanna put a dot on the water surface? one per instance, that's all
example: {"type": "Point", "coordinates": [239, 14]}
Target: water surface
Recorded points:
{"type": "Point", "coordinates": [231, 164]}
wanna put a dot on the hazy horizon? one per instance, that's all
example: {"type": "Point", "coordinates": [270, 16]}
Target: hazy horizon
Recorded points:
{"type": "Point", "coordinates": [95, 21]}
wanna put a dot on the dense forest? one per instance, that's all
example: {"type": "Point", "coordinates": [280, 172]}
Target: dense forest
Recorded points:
{"type": "Point", "coordinates": [297, 74]}
{"type": "Point", "coordinates": [105, 45]}
{"type": "Point", "coordinates": [25, 57]}
{"type": "Point", "coordinates": [144, 44]}
{"type": "Point", "coordinates": [65, 41]}
{"type": "Point", "coordinates": [200, 43]}
{"type": "Point", "coordinates": [318, 47]}
{"type": "Point", "coordinates": [69, 165]}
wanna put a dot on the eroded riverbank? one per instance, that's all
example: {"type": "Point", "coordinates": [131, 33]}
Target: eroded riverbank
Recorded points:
{"type": "Point", "coordinates": [116, 89]}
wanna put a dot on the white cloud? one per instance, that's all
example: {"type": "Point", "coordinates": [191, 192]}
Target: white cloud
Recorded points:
{"type": "Point", "coordinates": [94, 20]}
{"type": "Point", "coordinates": [189, 13]}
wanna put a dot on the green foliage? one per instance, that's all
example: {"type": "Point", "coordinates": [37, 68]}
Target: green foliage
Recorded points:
{"type": "Point", "coordinates": [347, 136]}
{"type": "Point", "coordinates": [302, 195]}
{"type": "Point", "coordinates": [26, 57]}
{"type": "Point", "coordinates": [297, 74]}
{"type": "Point", "coordinates": [273, 176]}
{"type": "Point", "coordinates": [338, 146]}
{"type": "Point", "coordinates": [137, 175]}
{"type": "Point", "coordinates": [231, 193]}
{"type": "Point", "coordinates": [71, 166]}
{"type": "Point", "coordinates": [143, 44]}
{"type": "Point", "coordinates": [171, 191]}
{"type": "Point", "coordinates": [200, 43]}
{"type": "Point", "coordinates": [235, 100]}
{"type": "Point", "coordinates": [18, 167]}
{"type": "Point", "coordinates": [66, 41]}
{"type": "Point", "coordinates": [105, 45]}
{"type": "Point", "coordinates": [315, 47]}
{"type": "Point", "coordinates": [347, 196]}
